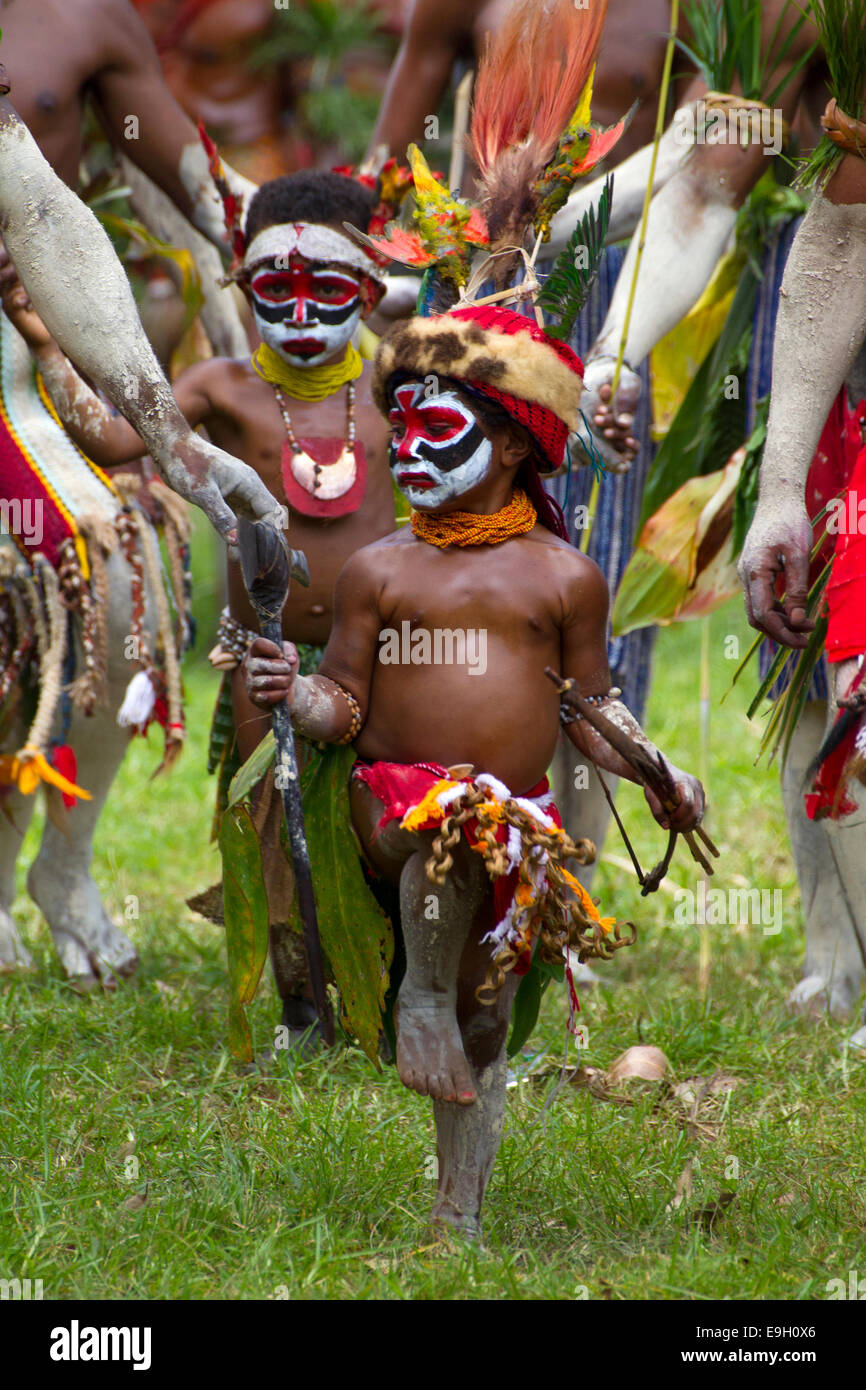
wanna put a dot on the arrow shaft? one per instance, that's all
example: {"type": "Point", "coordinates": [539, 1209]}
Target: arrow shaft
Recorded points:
{"type": "Point", "coordinates": [290, 791]}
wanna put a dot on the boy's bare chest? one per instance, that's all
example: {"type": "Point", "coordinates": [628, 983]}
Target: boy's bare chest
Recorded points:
{"type": "Point", "coordinates": [267, 435]}
{"type": "Point", "coordinates": [505, 593]}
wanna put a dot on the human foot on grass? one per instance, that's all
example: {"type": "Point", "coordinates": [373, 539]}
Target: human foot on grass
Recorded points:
{"type": "Point", "coordinates": [430, 1056]}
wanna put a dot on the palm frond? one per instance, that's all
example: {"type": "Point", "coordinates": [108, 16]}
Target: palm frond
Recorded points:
{"type": "Point", "coordinates": [566, 288]}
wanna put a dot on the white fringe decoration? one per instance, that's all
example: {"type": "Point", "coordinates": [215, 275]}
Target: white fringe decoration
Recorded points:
{"type": "Point", "coordinates": [138, 702]}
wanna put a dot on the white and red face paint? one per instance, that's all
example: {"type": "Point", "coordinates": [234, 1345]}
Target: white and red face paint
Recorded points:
{"type": "Point", "coordinates": [309, 285]}
{"type": "Point", "coordinates": [305, 311]}
{"type": "Point", "coordinates": [438, 449]}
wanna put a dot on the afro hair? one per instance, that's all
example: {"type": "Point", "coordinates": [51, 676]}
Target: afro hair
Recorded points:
{"type": "Point", "coordinates": [309, 196]}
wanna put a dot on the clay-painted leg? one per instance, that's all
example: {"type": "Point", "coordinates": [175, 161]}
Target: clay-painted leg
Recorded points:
{"type": "Point", "coordinates": [436, 921]}
{"type": "Point", "coordinates": [14, 819]}
{"type": "Point", "coordinates": [831, 869]}
{"type": "Point", "coordinates": [468, 1137]}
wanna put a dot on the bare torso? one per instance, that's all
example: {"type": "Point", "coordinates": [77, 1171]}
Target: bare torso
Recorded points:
{"type": "Point", "coordinates": [208, 66]}
{"type": "Point", "coordinates": [504, 718]}
{"type": "Point", "coordinates": [57, 53]}
{"type": "Point", "coordinates": [246, 421]}
{"type": "Point", "coordinates": [49, 78]}
{"type": "Point", "coordinates": [630, 62]}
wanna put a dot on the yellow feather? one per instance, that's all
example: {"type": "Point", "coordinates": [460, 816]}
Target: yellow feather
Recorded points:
{"type": "Point", "coordinates": [580, 119]}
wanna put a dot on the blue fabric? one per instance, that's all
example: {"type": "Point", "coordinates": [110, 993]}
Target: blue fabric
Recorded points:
{"type": "Point", "coordinates": [619, 498]}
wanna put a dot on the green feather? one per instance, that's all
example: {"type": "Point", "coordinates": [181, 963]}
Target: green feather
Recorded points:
{"type": "Point", "coordinates": [567, 286]}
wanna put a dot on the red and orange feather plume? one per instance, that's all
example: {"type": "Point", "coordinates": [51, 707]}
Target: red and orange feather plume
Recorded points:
{"type": "Point", "coordinates": [529, 82]}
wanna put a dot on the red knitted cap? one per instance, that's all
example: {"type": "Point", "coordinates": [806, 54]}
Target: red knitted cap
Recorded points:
{"type": "Point", "coordinates": [545, 426]}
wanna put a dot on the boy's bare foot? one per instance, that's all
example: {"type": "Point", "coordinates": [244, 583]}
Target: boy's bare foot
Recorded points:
{"type": "Point", "coordinates": [430, 1056]}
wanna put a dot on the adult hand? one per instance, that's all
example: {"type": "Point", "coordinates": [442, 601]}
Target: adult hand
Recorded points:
{"type": "Point", "coordinates": [779, 542]}
{"type": "Point", "coordinates": [611, 420]}
{"type": "Point", "coordinates": [221, 485]}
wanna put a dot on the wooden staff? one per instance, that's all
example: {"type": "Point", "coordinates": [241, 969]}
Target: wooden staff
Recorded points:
{"type": "Point", "coordinates": [268, 565]}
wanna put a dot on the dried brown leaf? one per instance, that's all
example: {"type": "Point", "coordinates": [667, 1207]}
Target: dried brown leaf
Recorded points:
{"type": "Point", "coordinates": [209, 904]}
{"type": "Point", "coordinates": [707, 1216]}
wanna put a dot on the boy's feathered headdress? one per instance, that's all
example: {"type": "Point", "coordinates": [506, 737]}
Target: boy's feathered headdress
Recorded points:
{"type": "Point", "coordinates": [391, 185]}
{"type": "Point", "coordinates": [531, 139]}
{"type": "Point", "coordinates": [499, 354]}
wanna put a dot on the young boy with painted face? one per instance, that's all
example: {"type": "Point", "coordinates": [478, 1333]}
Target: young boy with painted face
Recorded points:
{"type": "Point", "coordinates": [478, 401]}
{"type": "Point", "coordinates": [300, 412]}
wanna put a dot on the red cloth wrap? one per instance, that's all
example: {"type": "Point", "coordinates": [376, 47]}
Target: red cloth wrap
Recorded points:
{"type": "Point", "coordinates": [846, 589]}
{"type": "Point", "coordinates": [823, 800]}
{"type": "Point", "coordinates": [22, 481]}
{"type": "Point", "coordinates": [400, 786]}
{"type": "Point", "coordinates": [839, 467]}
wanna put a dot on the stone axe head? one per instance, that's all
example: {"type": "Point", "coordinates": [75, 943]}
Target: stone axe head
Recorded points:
{"type": "Point", "coordinates": [268, 565]}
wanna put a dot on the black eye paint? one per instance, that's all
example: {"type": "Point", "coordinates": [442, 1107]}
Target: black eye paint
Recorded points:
{"type": "Point", "coordinates": [439, 431]}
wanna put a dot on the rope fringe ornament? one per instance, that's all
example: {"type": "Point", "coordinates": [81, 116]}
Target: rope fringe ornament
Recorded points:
{"type": "Point", "coordinates": [550, 905]}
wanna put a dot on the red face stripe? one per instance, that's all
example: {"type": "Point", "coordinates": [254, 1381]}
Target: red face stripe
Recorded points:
{"type": "Point", "coordinates": [438, 427]}
{"type": "Point", "coordinates": [278, 286]}
{"type": "Point", "coordinates": [427, 430]}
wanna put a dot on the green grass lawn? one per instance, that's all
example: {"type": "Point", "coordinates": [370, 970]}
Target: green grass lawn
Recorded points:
{"type": "Point", "coordinates": [137, 1163]}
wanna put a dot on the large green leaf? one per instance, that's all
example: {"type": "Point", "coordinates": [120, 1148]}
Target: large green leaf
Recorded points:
{"type": "Point", "coordinates": [524, 1013]}
{"type": "Point", "coordinates": [708, 426]}
{"type": "Point", "coordinates": [650, 591]}
{"type": "Point", "coordinates": [253, 770]}
{"type": "Point", "coordinates": [527, 1001]}
{"type": "Point", "coordinates": [246, 918]}
{"type": "Point", "coordinates": [356, 935]}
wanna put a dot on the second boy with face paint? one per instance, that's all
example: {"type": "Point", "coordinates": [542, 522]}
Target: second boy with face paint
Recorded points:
{"type": "Point", "coordinates": [301, 414]}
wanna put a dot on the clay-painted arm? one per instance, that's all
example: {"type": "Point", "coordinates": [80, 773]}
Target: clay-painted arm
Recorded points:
{"type": "Point", "coordinates": [630, 181]}
{"type": "Point", "coordinates": [77, 285]}
{"type": "Point", "coordinates": [584, 660]}
{"type": "Point", "coordinates": [320, 710]}
{"type": "Point", "coordinates": [690, 223]}
{"type": "Point", "coordinates": [819, 331]}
